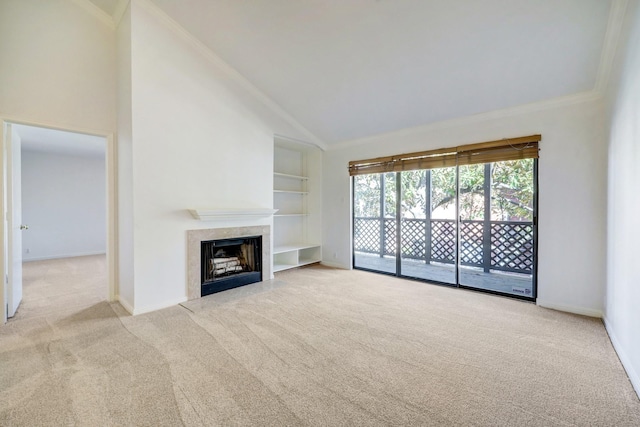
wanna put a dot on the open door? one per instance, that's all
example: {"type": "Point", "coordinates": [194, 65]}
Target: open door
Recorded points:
{"type": "Point", "coordinates": [14, 225]}
{"type": "Point", "coordinates": [11, 208]}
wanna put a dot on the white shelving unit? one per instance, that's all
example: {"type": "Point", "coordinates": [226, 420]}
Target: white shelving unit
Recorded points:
{"type": "Point", "coordinates": [291, 256]}
{"type": "Point", "coordinates": [296, 195]}
{"type": "Point", "coordinates": [286, 175]}
{"type": "Point", "coordinates": [291, 192]}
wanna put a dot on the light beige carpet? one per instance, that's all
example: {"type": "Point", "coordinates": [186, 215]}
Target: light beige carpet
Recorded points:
{"type": "Point", "coordinates": [317, 346]}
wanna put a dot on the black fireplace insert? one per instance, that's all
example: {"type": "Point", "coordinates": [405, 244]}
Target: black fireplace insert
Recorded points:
{"type": "Point", "coordinates": [229, 263]}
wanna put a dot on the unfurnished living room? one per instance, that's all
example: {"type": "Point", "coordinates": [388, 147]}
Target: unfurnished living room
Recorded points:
{"type": "Point", "coordinates": [320, 212]}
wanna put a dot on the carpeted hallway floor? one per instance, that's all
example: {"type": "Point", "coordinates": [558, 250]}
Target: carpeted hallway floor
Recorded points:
{"type": "Point", "coordinates": [317, 346]}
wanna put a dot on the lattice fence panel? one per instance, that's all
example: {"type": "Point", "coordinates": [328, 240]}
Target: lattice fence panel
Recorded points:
{"type": "Point", "coordinates": [390, 236]}
{"type": "Point", "coordinates": [471, 252]}
{"type": "Point", "coordinates": [512, 247]}
{"type": "Point", "coordinates": [443, 240]}
{"type": "Point", "coordinates": [413, 238]}
{"type": "Point", "coordinates": [366, 236]}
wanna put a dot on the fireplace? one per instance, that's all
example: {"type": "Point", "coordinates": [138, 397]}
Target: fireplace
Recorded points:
{"type": "Point", "coordinates": [229, 263]}
{"type": "Point", "coordinates": [195, 255]}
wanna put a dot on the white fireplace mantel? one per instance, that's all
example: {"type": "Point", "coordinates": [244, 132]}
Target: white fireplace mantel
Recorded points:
{"type": "Point", "coordinates": [205, 214]}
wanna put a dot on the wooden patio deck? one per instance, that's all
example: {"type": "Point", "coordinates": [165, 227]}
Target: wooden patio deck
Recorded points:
{"type": "Point", "coordinates": [507, 283]}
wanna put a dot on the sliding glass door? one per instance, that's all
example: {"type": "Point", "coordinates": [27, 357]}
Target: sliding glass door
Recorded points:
{"type": "Point", "coordinates": [474, 249]}
{"type": "Point", "coordinates": [497, 226]}
{"type": "Point", "coordinates": [374, 222]}
{"type": "Point", "coordinates": [427, 224]}
{"type": "Point", "coordinates": [468, 226]}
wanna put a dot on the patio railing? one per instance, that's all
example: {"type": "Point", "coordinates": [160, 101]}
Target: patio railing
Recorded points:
{"type": "Point", "coordinates": [506, 246]}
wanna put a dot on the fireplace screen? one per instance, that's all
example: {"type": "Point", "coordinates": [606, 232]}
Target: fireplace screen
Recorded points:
{"type": "Point", "coordinates": [229, 263]}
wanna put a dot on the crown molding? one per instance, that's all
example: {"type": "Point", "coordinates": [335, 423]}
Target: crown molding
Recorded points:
{"type": "Point", "coordinates": [118, 13]}
{"type": "Point", "coordinates": [218, 62]}
{"type": "Point", "coordinates": [611, 41]}
{"type": "Point", "coordinates": [547, 104]}
{"type": "Point", "coordinates": [96, 12]}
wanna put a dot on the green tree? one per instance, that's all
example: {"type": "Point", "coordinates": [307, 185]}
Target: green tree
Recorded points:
{"type": "Point", "coordinates": [414, 194]}
{"type": "Point", "coordinates": [367, 195]}
{"type": "Point", "coordinates": [366, 201]}
{"type": "Point", "coordinates": [511, 191]}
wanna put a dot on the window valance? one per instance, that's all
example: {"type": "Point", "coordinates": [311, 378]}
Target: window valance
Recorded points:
{"type": "Point", "coordinates": [525, 147]}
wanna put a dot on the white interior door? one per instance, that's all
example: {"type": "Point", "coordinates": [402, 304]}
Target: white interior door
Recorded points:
{"type": "Point", "coordinates": [14, 220]}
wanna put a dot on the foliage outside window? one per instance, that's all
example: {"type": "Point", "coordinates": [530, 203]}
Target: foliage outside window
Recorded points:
{"type": "Point", "coordinates": [511, 192]}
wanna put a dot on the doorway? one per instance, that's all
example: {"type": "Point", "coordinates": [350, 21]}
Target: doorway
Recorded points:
{"type": "Point", "coordinates": [470, 226]}
{"type": "Point", "coordinates": [58, 195]}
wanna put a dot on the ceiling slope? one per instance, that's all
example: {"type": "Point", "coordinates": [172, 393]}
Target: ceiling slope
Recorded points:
{"type": "Point", "coordinates": [350, 69]}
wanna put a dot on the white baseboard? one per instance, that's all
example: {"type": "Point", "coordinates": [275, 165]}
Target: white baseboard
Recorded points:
{"type": "Point", "coordinates": [150, 308]}
{"type": "Point", "coordinates": [335, 265]}
{"type": "Point", "coordinates": [624, 359]}
{"type": "Point", "coordinates": [570, 309]}
{"type": "Point", "coordinates": [135, 311]}
{"type": "Point", "coordinates": [44, 258]}
{"type": "Point", "coordinates": [125, 304]}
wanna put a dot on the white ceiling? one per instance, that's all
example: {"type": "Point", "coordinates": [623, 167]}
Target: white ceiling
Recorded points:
{"type": "Point", "coordinates": [60, 142]}
{"type": "Point", "coordinates": [347, 69]}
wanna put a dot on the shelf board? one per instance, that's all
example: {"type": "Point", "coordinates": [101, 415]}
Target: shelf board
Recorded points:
{"type": "Point", "coordinates": [281, 267]}
{"type": "Point", "coordinates": [294, 247]}
{"type": "Point", "coordinates": [286, 175]}
{"type": "Point", "coordinates": [291, 192]}
{"type": "Point", "coordinates": [212, 214]}
{"type": "Point", "coordinates": [307, 262]}
{"type": "Point", "coordinates": [291, 215]}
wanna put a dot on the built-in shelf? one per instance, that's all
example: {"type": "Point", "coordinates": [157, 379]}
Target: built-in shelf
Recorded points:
{"type": "Point", "coordinates": [295, 247]}
{"type": "Point", "coordinates": [297, 193]}
{"type": "Point", "coordinates": [296, 255]}
{"type": "Point", "coordinates": [286, 175]}
{"type": "Point", "coordinates": [291, 192]}
{"type": "Point", "coordinates": [212, 214]}
{"type": "Point", "coordinates": [282, 267]}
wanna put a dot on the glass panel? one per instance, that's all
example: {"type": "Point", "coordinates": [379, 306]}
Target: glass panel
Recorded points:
{"type": "Point", "coordinates": [512, 190]}
{"type": "Point", "coordinates": [512, 193]}
{"type": "Point", "coordinates": [496, 228]}
{"type": "Point", "coordinates": [472, 210]}
{"type": "Point", "coordinates": [428, 225]}
{"type": "Point", "coordinates": [374, 223]}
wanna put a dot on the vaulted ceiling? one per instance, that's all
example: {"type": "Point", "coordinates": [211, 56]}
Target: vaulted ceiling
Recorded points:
{"type": "Point", "coordinates": [347, 69]}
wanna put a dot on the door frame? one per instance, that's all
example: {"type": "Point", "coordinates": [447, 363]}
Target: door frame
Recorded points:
{"type": "Point", "coordinates": [112, 207]}
{"type": "Point", "coordinates": [10, 262]}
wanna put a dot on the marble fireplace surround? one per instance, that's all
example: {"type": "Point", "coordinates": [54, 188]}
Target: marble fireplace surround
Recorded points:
{"type": "Point", "coordinates": [196, 237]}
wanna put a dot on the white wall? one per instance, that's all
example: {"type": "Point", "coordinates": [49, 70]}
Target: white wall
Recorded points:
{"type": "Point", "coordinates": [126, 290]}
{"type": "Point", "coordinates": [57, 65]}
{"type": "Point", "coordinates": [572, 200]}
{"type": "Point", "coordinates": [622, 316]}
{"type": "Point", "coordinates": [64, 204]}
{"type": "Point", "coordinates": [199, 139]}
